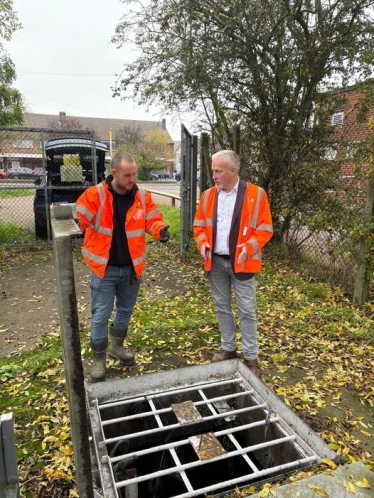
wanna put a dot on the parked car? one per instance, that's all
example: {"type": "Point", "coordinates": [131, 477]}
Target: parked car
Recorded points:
{"type": "Point", "coordinates": [153, 176]}
{"type": "Point", "coordinates": [20, 173]}
{"type": "Point", "coordinates": [69, 171]}
{"type": "Point", "coordinates": [3, 174]}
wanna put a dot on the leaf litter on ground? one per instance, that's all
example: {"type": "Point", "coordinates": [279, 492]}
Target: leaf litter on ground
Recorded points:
{"type": "Point", "coordinates": [315, 346]}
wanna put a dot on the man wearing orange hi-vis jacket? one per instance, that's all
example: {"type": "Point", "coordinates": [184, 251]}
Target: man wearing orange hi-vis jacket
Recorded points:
{"type": "Point", "coordinates": [115, 216]}
{"type": "Point", "coordinates": [231, 226]}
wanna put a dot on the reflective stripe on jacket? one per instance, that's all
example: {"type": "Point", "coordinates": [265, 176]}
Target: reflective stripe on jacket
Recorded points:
{"type": "Point", "coordinates": [255, 226]}
{"type": "Point", "coordinates": [95, 213]}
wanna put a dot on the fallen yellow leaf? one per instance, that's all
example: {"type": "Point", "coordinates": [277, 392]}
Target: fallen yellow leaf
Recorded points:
{"type": "Point", "coordinates": [330, 463]}
{"type": "Point", "coordinates": [264, 491]}
{"type": "Point", "coordinates": [318, 490]}
{"type": "Point", "coordinates": [363, 484]}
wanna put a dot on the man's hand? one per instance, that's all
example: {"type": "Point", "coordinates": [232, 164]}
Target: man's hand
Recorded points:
{"type": "Point", "coordinates": [243, 255]}
{"type": "Point", "coordinates": [164, 234]}
{"type": "Point", "coordinates": [204, 249]}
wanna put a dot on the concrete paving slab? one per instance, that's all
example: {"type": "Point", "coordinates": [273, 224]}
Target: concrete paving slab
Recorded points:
{"type": "Point", "coordinates": [332, 485]}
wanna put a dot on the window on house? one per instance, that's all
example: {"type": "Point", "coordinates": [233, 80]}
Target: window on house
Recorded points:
{"type": "Point", "coordinates": [337, 119]}
{"type": "Point", "coordinates": [330, 153]}
{"type": "Point", "coordinates": [352, 150]}
{"type": "Point", "coordinates": [22, 144]}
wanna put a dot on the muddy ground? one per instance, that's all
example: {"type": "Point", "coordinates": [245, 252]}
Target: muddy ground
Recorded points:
{"type": "Point", "coordinates": [29, 306]}
{"type": "Point", "coordinates": [28, 296]}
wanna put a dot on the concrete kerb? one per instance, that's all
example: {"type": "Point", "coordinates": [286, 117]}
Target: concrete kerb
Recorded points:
{"type": "Point", "coordinates": [332, 485]}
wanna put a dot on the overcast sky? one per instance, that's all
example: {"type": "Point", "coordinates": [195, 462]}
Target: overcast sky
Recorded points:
{"type": "Point", "coordinates": [65, 61]}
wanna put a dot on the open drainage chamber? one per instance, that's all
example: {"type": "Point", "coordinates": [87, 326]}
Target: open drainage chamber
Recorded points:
{"type": "Point", "coordinates": [192, 431]}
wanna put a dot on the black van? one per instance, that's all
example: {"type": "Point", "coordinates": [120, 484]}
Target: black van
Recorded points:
{"type": "Point", "coordinates": [69, 171]}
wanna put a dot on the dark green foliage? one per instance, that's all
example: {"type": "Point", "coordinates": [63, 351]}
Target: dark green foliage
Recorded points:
{"type": "Point", "coordinates": [266, 65]}
{"type": "Point", "coordinates": [11, 106]}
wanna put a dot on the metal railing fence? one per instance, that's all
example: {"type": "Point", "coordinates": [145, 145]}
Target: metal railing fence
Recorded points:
{"type": "Point", "coordinates": [188, 186]}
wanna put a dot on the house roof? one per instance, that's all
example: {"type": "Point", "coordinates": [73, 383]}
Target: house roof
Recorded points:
{"type": "Point", "coordinates": [100, 126]}
{"type": "Point", "coordinates": [177, 146]}
{"type": "Point", "coordinates": [358, 87]}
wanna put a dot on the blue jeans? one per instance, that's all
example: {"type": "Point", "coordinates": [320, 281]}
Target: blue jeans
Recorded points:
{"type": "Point", "coordinates": [116, 283]}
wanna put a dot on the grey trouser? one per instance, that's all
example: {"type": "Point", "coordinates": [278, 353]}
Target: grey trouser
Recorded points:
{"type": "Point", "coordinates": [221, 278]}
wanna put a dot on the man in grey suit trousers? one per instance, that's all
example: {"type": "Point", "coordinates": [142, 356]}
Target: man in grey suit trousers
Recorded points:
{"type": "Point", "coordinates": [232, 224]}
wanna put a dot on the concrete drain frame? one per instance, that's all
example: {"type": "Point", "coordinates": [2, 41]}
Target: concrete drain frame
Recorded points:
{"type": "Point", "coordinates": [181, 433]}
{"type": "Point", "coordinates": [194, 430]}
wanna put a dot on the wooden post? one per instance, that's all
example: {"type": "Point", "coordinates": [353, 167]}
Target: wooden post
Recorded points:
{"type": "Point", "coordinates": [361, 288]}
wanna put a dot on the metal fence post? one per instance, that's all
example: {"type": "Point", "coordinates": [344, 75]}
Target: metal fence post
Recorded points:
{"type": "Point", "coordinates": [237, 141]}
{"type": "Point", "coordinates": [9, 484]}
{"type": "Point", "coordinates": [206, 179]}
{"type": "Point", "coordinates": [188, 186]}
{"type": "Point", "coordinates": [193, 180]}
{"type": "Point", "coordinates": [46, 188]}
{"type": "Point", "coordinates": [94, 159]}
{"type": "Point", "coordinates": [63, 229]}
{"type": "Point", "coordinates": [185, 188]}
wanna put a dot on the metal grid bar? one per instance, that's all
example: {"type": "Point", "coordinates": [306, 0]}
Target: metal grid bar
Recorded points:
{"type": "Point", "coordinates": [168, 410]}
{"type": "Point", "coordinates": [239, 480]}
{"type": "Point", "coordinates": [174, 426]}
{"type": "Point", "coordinates": [301, 454]}
{"type": "Point", "coordinates": [218, 458]}
{"type": "Point", "coordinates": [303, 448]}
{"type": "Point", "coordinates": [172, 392]}
{"type": "Point", "coordinates": [167, 446]}
{"type": "Point", "coordinates": [230, 435]}
{"type": "Point", "coordinates": [172, 450]}
{"type": "Point", "coordinates": [106, 470]}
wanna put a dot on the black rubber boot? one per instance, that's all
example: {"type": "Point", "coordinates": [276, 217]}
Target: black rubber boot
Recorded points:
{"type": "Point", "coordinates": [117, 351]}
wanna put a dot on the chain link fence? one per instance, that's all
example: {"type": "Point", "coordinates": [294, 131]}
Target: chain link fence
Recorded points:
{"type": "Point", "coordinates": [37, 168]}
{"type": "Point", "coordinates": [327, 242]}
{"type": "Point", "coordinates": [333, 253]}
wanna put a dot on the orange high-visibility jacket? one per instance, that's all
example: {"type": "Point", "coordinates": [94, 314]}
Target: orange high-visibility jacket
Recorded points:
{"type": "Point", "coordinates": [252, 219]}
{"type": "Point", "coordinates": [95, 213]}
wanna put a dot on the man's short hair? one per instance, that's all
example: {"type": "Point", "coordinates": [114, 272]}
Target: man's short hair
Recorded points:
{"type": "Point", "coordinates": [119, 157]}
{"type": "Point", "coordinates": [231, 158]}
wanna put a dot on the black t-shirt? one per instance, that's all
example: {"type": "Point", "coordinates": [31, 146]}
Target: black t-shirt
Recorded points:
{"type": "Point", "coordinates": [119, 250]}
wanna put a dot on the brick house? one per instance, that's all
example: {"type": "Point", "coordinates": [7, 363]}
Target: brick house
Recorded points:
{"type": "Point", "coordinates": [19, 149]}
{"type": "Point", "coordinates": [349, 130]}
{"type": "Point", "coordinates": [23, 149]}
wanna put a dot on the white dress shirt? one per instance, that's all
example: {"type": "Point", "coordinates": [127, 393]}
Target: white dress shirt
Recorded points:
{"type": "Point", "coordinates": [225, 210]}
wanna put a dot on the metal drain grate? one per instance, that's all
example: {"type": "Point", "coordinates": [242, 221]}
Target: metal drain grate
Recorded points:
{"type": "Point", "coordinates": [204, 436]}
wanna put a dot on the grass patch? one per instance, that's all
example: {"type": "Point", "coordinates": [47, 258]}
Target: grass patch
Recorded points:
{"type": "Point", "coordinates": [33, 388]}
{"type": "Point", "coordinates": [6, 194]}
{"type": "Point", "coordinates": [10, 233]}
{"type": "Point", "coordinates": [171, 217]}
